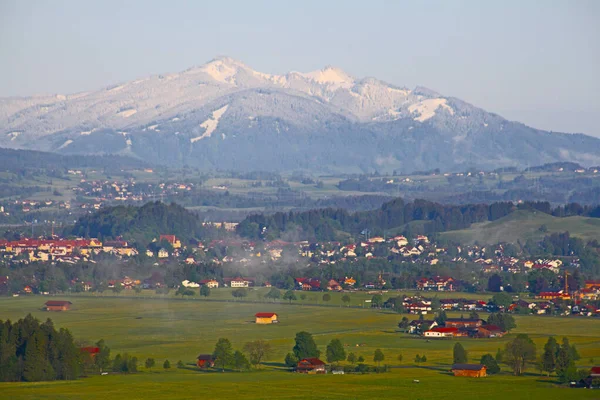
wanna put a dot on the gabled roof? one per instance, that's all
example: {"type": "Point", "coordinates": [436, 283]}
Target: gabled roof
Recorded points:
{"type": "Point", "coordinates": [443, 330]}
{"type": "Point", "coordinates": [311, 361]}
{"type": "Point", "coordinates": [265, 314]}
{"type": "Point", "coordinates": [57, 303]}
{"type": "Point", "coordinates": [468, 367]}
{"type": "Point", "coordinates": [90, 349]}
{"type": "Point", "coordinates": [492, 328]}
{"type": "Point", "coordinates": [205, 357]}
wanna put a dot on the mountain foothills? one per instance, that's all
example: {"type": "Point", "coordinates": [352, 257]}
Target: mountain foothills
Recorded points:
{"type": "Point", "coordinates": [225, 115]}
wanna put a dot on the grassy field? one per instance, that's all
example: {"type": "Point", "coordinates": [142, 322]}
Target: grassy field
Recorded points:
{"type": "Point", "coordinates": [357, 298]}
{"type": "Point", "coordinates": [181, 329]}
{"type": "Point", "coordinates": [522, 225]}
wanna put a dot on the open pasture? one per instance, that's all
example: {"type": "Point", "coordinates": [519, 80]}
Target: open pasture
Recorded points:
{"type": "Point", "coordinates": [181, 329]}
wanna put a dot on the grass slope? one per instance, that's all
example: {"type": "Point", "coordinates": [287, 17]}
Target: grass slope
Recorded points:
{"type": "Point", "coordinates": [522, 225]}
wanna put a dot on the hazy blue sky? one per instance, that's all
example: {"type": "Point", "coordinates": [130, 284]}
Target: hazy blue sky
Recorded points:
{"type": "Point", "coordinates": [533, 61]}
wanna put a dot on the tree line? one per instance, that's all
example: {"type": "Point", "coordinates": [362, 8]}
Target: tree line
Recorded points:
{"type": "Point", "coordinates": [326, 224]}
{"type": "Point", "coordinates": [33, 351]}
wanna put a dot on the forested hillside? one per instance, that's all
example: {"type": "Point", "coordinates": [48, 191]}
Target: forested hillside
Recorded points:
{"type": "Point", "coordinates": [15, 160]}
{"type": "Point", "coordinates": [328, 224]}
{"type": "Point", "coordinates": [140, 224]}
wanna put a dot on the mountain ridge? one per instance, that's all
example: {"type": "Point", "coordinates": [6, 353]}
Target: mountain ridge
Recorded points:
{"type": "Point", "coordinates": [209, 114]}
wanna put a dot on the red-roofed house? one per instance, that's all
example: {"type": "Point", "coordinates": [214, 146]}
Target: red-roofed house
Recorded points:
{"type": "Point", "coordinates": [57, 305]}
{"type": "Point", "coordinates": [205, 361]}
{"type": "Point", "coordinates": [172, 240]}
{"type": "Point", "coordinates": [266, 318]}
{"type": "Point", "coordinates": [310, 366]}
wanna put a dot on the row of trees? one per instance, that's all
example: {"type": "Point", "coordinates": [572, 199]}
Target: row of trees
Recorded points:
{"type": "Point", "coordinates": [306, 347]}
{"type": "Point", "coordinates": [254, 353]}
{"type": "Point", "coordinates": [521, 352]}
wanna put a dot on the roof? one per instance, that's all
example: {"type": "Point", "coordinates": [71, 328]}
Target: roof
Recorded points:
{"type": "Point", "coordinates": [206, 357]}
{"type": "Point", "coordinates": [443, 330]}
{"type": "Point", "coordinates": [89, 349]}
{"type": "Point", "coordinates": [416, 322]}
{"type": "Point", "coordinates": [463, 320]}
{"type": "Point", "coordinates": [57, 303]}
{"type": "Point", "coordinates": [312, 361]}
{"type": "Point", "coordinates": [265, 314]}
{"type": "Point", "coordinates": [468, 367]}
{"type": "Point", "coordinates": [492, 328]}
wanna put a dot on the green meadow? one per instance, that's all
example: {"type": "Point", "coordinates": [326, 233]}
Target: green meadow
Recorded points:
{"type": "Point", "coordinates": [178, 329]}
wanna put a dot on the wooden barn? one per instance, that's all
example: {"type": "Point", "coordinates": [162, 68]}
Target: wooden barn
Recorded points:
{"type": "Point", "coordinates": [472, 370]}
{"type": "Point", "coordinates": [57, 305]}
{"type": "Point", "coordinates": [205, 361]}
{"type": "Point", "coordinates": [310, 366]}
{"type": "Point", "coordinates": [266, 318]}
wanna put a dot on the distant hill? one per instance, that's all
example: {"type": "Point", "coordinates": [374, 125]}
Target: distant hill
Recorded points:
{"type": "Point", "coordinates": [525, 224]}
{"type": "Point", "coordinates": [139, 224]}
{"type": "Point", "coordinates": [14, 160]}
{"type": "Point", "coordinates": [225, 115]}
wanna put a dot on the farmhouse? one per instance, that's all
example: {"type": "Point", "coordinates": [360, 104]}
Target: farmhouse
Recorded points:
{"type": "Point", "coordinates": [472, 370]}
{"type": "Point", "coordinates": [205, 361]}
{"type": "Point", "coordinates": [310, 366]}
{"type": "Point", "coordinates": [266, 318]}
{"type": "Point", "coordinates": [239, 282]}
{"type": "Point", "coordinates": [441, 332]}
{"type": "Point", "coordinates": [172, 240]}
{"type": "Point", "coordinates": [417, 327]}
{"type": "Point", "coordinates": [211, 283]}
{"type": "Point", "coordinates": [57, 305]}
{"type": "Point", "coordinates": [489, 331]}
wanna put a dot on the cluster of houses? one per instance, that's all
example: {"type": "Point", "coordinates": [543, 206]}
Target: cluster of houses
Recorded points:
{"type": "Point", "coordinates": [64, 250]}
{"type": "Point", "coordinates": [129, 190]}
{"type": "Point", "coordinates": [456, 327]}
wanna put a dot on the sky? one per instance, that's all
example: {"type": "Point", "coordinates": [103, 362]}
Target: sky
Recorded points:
{"type": "Point", "coordinates": [536, 62]}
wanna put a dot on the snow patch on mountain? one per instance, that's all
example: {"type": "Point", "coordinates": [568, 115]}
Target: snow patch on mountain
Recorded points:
{"type": "Point", "coordinates": [65, 144]}
{"type": "Point", "coordinates": [426, 108]}
{"type": "Point", "coordinates": [13, 135]}
{"type": "Point", "coordinates": [127, 113]}
{"type": "Point", "coordinates": [334, 77]}
{"type": "Point", "coordinates": [210, 125]}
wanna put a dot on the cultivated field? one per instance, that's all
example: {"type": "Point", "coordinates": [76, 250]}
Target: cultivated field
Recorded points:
{"type": "Point", "coordinates": [181, 329]}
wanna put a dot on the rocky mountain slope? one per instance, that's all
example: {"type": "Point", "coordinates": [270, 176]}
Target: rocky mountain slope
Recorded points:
{"type": "Point", "coordinates": [225, 115]}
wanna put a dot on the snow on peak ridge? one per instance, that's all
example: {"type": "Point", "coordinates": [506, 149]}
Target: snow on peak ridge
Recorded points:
{"type": "Point", "coordinates": [331, 76]}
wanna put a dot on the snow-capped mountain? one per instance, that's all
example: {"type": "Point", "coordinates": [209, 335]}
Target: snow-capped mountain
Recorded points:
{"type": "Point", "coordinates": [223, 114]}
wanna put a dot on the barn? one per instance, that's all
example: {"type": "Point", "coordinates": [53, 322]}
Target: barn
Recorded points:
{"type": "Point", "coordinates": [266, 318]}
{"type": "Point", "coordinates": [472, 370]}
{"type": "Point", "coordinates": [57, 305]}
{"type": "Point", "coordinates": [310, 366]}
{"type": "Point", "coordinates": [205, 361]}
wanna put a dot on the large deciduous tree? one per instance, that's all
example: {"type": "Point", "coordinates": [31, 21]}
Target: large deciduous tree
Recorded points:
{"type": "Point", "coordinates": [305, 346]}
{"type": "Point", "coordinates": [459, 354]}
{"type": "Point", "coordinates": [519, 352]}
{"type": "Point", "coordinates": [257, 350]}
{"type": "Point", "coordinates": [335, 351]}
{"type": "Point", "coordinates": [378, 356]}
{"type": "Point", "coordinates": [223, 353]}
